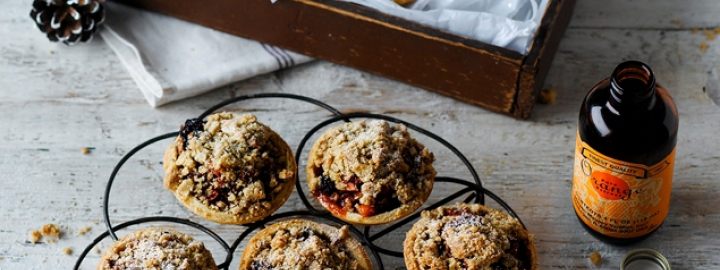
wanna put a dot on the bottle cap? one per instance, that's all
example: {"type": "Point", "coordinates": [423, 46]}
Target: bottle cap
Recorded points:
{"type": "Point", "coordinates": [644, 259]}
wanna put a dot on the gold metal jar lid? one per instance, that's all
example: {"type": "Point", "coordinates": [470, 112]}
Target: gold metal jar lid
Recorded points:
{"type": "Point", "coordinates": [644, 259]}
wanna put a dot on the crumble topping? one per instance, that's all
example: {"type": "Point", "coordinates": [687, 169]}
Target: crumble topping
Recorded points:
{"type": "Point", "coordinates": [298, 245]}
{"type": "Point", "coordinates": [468, 236]}
{"type": "Point", "coordinates": [370, 167]}
{"type": "Point", "coordinates": [158, 249]}
{"type": "Point", "coordinates": [236, 163]}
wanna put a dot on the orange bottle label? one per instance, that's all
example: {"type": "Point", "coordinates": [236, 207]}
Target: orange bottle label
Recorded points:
{"type": "Point", "coordinates": [620, 199]}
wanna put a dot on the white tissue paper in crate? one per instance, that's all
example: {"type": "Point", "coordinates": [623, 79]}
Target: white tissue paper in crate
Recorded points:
{"type": "Point", "coordinates": [504, 23]}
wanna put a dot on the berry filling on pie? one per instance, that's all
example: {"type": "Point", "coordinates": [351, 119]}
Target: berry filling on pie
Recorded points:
{"type": "Point", "coordinates": [342, 201]}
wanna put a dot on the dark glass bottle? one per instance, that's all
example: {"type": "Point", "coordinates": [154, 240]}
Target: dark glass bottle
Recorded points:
{"type": "Point", "coordinates": [627, 133]}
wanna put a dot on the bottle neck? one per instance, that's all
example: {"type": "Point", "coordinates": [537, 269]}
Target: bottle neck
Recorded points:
{"type": "Point", "coordinates": [632, 87]}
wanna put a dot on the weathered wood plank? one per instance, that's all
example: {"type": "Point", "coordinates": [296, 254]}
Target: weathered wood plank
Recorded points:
{"type": "Point", "coordinates": [646, 14]}
{"type": "Point", "coordinates": [55, 100]}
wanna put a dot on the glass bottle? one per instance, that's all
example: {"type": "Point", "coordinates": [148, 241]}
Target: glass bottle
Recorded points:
{"type": "Point", "coordinates": [624, 157]}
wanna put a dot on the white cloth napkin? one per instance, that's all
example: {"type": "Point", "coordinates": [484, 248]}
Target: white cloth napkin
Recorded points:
{"type": "Point", "coordinates": [170, 59]}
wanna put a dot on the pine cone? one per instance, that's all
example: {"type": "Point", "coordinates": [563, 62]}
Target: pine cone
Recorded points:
{"type": "Point", "coordinates": [68, 21]}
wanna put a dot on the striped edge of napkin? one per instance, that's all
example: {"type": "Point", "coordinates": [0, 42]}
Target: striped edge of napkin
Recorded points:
{"type": "Point", "coordinates": [170, 59]}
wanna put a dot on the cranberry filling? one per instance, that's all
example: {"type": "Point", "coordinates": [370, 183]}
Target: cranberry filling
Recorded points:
{"type": "Point", "coordinates": [453, 212]}
{"type": "Point", "coordinates": [342, 201]}
{"type": "Point", "coordinates": [519, 249]}
{"type": "Point", "coordinates": [327, 187]}
{"type": "Point", "coordinates": [386, 201]}
{"type": "Point", "coordinates": [192, 126]}
{"type": "Point", "coordinates": [219, 187]}
{"type": "Point", "coordinates": [258, 265]}
{"type": "Point", "coordinates": [415, 162]}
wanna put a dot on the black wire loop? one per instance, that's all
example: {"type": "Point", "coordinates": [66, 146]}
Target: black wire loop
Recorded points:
{"type": "Point", "coordinates": [474, 191]}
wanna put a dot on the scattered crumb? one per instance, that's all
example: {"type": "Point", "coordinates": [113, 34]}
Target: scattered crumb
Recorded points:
{"type": "Point", "coordinates": [711, 34]}
{"type": "Point", "coordinates": [704, 46]}
{"type": "Point", "coordinates": [50, 231]}
{"type": "Point", "coordinates": [67, 251]}
{"type": "Point", "coordinates": [84, 230]}
{"type": "Point", "coordinates": [98, 250]}
{"type": "Point", "coordinates": [547, 96]}
{"type": "Point", "coordinates": [35, 236]}
{"type": "Point", "coordinates": [86, 150]}
{"type": "Point", "coordinates": [595, 258]}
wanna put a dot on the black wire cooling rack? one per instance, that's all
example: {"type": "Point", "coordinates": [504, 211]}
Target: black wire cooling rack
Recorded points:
{"type": "Point", "coordinates": [472, 190]}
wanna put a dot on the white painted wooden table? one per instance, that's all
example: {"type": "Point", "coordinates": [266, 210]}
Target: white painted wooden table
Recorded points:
{"type": "Point", "coordinates": [55, 100]}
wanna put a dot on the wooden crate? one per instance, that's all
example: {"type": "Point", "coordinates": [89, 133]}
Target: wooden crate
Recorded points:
{"type": "Point", "coordinates": [492, 77]}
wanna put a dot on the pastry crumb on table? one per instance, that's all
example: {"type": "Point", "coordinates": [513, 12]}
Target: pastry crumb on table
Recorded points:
{"type": "Point", "coordinates": [84, 230]}
{"type": "Point", "coordinates": [547, 96]}
{"type": "Point", "coordinates": [86, 150]}
{"type": "Point", "coordinates": [595, 258]}
{"type": "Point", "coordinates": [51, 231]}
{"type": "Point", "coordinates": [68, 250]}
{"type": "Point", "coordinates": [35, 236]}
{"type": "Point", "coordinates": [404, 2]}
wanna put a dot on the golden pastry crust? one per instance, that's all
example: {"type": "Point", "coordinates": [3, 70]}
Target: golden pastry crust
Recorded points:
{"type": "Point", "coordinates": [304, 244]}
{"type": "Point", "coordinates": [157, 249]}
{"type": "Point", "coordinates": [230, 169]}
{"type": "Point", "coordinates": [468, 236]}
{"type": "Point", "coordinates": [370, 172]}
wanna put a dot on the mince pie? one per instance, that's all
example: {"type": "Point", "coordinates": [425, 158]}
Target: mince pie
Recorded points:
{"type": "Point", "coordinates": [468, 236]}
{"type": "Point", "coordinates": [304, 244]}
{"type": "Point", "coordinates": [157, 249]}
{"type": "Point", "coordinates": [370, 172]}
{"type": "Point", "coordinates": [230, 168]}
